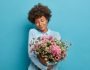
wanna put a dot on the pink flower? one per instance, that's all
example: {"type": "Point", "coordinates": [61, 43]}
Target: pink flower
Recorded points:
{"type": "Point", "coordinates": [57, 58]}
{"type": "Point", "coordinates": [55, 50]}
{"type": "Point", "coordinates": [50, 38]}
{"type": "Point", "coordinates": [44, 37]}
{"type": "Point", "coordinates": [47, 37]}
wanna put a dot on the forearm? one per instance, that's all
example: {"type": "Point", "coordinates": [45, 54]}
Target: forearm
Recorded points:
{"type": "Point", "coordinates": [35, 60]}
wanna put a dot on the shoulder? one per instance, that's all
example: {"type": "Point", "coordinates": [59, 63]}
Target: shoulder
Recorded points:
{"type": "Point", "coordinates": [32, 30]}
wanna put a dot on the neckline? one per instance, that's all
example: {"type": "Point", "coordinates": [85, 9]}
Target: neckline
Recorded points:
{"type": "Point", "coordinates": [43, 32]}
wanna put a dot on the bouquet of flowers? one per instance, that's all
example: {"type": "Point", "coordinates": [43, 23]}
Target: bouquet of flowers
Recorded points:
{"type": "Point", "coordinates": [49, 50]}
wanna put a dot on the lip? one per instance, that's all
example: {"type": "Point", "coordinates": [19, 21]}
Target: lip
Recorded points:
{"type": "Point", "coordinates": [40, 27]}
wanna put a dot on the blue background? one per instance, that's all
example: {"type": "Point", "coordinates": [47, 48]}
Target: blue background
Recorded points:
{"type": "Point", "coordinates": [70, 17]}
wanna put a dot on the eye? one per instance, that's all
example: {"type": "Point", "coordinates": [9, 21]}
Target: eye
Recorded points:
{"type": "Point", "coordinates": [42, 20]}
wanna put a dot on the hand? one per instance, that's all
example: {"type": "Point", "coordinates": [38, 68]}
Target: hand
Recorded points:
{"type": "Point", "coordinates": [50, 67]}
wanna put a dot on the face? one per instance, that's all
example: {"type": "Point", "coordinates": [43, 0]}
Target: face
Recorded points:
{"type": "Point", "coordinates": [41, 23]}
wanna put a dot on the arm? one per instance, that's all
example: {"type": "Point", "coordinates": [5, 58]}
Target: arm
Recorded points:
{"type": "Point", "coordinates": [32, 56]}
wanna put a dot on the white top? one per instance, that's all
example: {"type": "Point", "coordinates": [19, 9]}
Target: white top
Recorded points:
{"type": "Point", "coordinates": [34, 33]}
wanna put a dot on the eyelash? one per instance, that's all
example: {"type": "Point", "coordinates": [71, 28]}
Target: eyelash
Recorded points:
{"type": "Point", "coordinates": [41, 20]}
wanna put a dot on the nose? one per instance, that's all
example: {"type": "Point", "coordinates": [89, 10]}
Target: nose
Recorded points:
{"type": "Point", "coordinates": [40, 23]}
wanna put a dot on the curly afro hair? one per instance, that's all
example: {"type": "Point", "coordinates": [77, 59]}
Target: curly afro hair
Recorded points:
{"type": "Point", "coordinates": [38, 11]}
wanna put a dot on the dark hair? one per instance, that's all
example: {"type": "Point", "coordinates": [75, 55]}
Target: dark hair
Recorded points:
{"type": "Point", "coordinates": [38, 11]}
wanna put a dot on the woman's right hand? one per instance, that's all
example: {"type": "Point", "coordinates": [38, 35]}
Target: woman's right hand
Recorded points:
{"type": "Point", "coordinates": [50, 67]}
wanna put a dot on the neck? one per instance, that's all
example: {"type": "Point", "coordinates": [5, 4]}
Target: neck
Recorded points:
{"type": "Point", "coordinates": [45, 30]}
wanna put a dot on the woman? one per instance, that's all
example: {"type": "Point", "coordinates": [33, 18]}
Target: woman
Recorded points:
{"type": "Point", "coordinates": [40, 16]}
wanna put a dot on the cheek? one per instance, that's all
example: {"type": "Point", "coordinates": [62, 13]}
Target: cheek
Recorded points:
{"type": "Point", "coordinates": [45, 23]}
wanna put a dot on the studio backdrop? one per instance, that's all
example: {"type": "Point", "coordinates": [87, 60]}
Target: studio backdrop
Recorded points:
{"type": "Point", "coordinates": [71, 18]}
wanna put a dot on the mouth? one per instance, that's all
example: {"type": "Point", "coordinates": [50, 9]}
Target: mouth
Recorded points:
{"type": "Point", "coordinates": [40, 27]}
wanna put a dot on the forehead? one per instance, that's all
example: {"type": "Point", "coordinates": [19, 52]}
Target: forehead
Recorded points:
{"type": "Point", "coordinates": [39, 18]}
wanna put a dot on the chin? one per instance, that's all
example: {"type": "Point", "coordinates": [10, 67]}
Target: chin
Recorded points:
{"type": "Point", "coordinates": [41, 29]}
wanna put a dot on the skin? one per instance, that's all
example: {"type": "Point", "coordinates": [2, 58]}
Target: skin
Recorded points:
{"type": "Point", "coordinates": [41, 24]}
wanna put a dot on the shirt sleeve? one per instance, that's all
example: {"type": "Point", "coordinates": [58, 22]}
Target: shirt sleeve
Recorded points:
{"type": "Point", "coordinates": [32, 55]}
